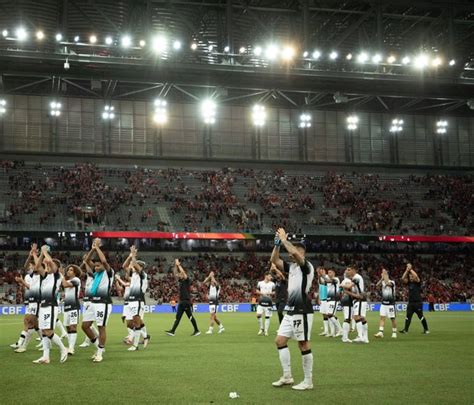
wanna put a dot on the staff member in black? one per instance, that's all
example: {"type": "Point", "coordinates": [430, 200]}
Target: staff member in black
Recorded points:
{"type": "Point", "coordinates": [281, 291]}
{"type": "Point", "coordinates": [415, 303]}
{"type": "Point", "coordinates": [184, 299]}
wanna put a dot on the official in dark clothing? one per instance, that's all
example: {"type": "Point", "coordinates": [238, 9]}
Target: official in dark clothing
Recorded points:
{"type": "Point", "coordinates": [184, 305]}
{"type": "Point", "coordinates": [415, 303]}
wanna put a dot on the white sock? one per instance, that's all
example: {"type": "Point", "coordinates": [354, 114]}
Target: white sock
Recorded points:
{"type": "Point", "coordinates": [29, 335]}
{"type": "Point", "coordinates": [57, 341]}
{"type": "Point", "coordinates": [331, 327]}
{"type": "Point", "coordinates": [337, 324]}
{"type": "Point", "coordinates": [307, 357]}
{"type": "Point", "coordinates": [326, 326]}
{"type": "Point", "coordinates": [394, 330]}
{"type": "Point", "coordinates": [381, 329]}
{"type": "Point", "coordinates": [60, 325]}
{"type": "Point", "coordinates": [285, 360]}
{"type": "Point", "coordinates": [71, 337]}
{"type": "Point", "coordinates": [136, 337]}
{"type": "Point", "coordinates": [353, 323]}
{"type": "Point", "coordinates": [46, 347]}
{"type": "Point", "coordinates": [260, 325]}
{"type": "Point", "coordinates": [346, 326]}
{"type": "Point", "coordinates": [211, 328]}
{"type": "Point", "coordinates": [221, 326]}
{"type": "Point", "coordinates": [22, 338]}
{"type": "Point", "coordinates": [360, 330]}
{"type": "Point", "coordinates": [100, 350]}
{"type": "Point", "coordinates": [267, 324]}
{"type": "Point", "coordinates": [130, 333]}
{"type": "Point", "coordinates": [365, 330]}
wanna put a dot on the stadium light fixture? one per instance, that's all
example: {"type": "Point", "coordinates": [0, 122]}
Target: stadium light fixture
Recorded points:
{"type": "Point", "coordinates": [59, 37]}
{"type": "Point", "coordinates": [194, 46]}
{"type": "Point", "coordinates": [397, 125]}
{"type": "Point", "coordinates": [271, 52]}
{"type": "Point", "coordinates": [441, 126]}
{"type": "Point", "coordinates": [305, 120]}
{"type": "Point", "coordinates": [226, 48]}
{"type": "Point", "coordinates": [21, 34]}
{"type": "Point", "coordinates": [436, 61]}
{"type": "Point", "coordinates": [92, 39]}
{"type": "Point", "coordinates": [142, 43]}
{"type": "Point", "coordinates": [109, 40]}
{"type": "Point", "coordinates": [242, 49]}
{"type": "Point", "coordinates": [305, 54]}
{"type": "Point", "coordinates": [210, 48]}
{"type": "Point", "coordinates": [452, 62]}
{"type": "Point", "coordinates": [161, 111]}
{"type": "Point", "coordinates": [108, 113]}
{"type": "Point", "coordinates": [259, 115]}
{"type": "Point", "coordinates": [352, 122]}
{"type": "Point", "coordinates": [76, 38]}
{"type": "Point", "coordinates": [377, 58]}
{"type": "Point", "coordinates": [362, 57]}
{"type": "Point", "coordinates": [159, 44]}
{"type": "Point", "coordinates": [258, 51]}
{"type": "Point", "coordinates": [316, 54]}
{"type": "Point", "coordinates": [5, 33]}
{"type": "Point", "coordinates": [3, 106]}
{"type": "Point", "coordinates": [333, 55]}
{"type": "Point", "coordinates": [391, 59]}
{"type": "Point", "coordinates": [40, 35]}
{"type": "Point", "coordinates": [208, 111]}
{"type": "Point", "coordinates": [176, 45]}
{"type": "Point", "coordinates": [421, 61]}
{"type": "Point", "coordinates": [288, 53]}
{"type": "Point", "coordinates": [349, 56]}
{"type": "Point", "coordinates": [55, 108]}
{"type": "Point", "coordinates": [126, 41]}
{"type": "Point", "coordinates": [406, 60]}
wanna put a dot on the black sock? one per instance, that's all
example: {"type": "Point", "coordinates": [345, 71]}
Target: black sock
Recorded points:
{"type": "Point", "coordinates": [407, 324]}
{"type": "Point", "coordinates": [193, 321]}
{"type": "Point", "coordinates": [424, 323]}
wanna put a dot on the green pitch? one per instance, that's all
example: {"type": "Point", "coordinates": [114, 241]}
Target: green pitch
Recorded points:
{"type": "Point", "coordinates": [414, 369]}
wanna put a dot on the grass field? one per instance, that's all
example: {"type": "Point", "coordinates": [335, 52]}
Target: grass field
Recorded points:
{"type": "Point", "coordinates": [414, 369]}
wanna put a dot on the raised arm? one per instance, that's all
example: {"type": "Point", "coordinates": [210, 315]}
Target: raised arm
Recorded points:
{"type": "Point", "coordinates": [415, 276]}
{"type": "Point", "coordinates": [127, 261]}
{"type": "Point", "coordinates": [21, 281]}
{"type": "Point", "coordinates": [275, 257]}
{"type": "Point", "coordinates": [48, 260]}
{"type": "Point", "coordinates": [101, 256]}
{"type": "Point", "coordinates": [274, 269]}
{"type": "Point", "coordinates": [178, 270]}
{"type": "Point", "coordinates": [405, 278]}
{"type": "Point", "coordinates": [30, 258]}
{"type": "Point", "coordinates": [289, 247]}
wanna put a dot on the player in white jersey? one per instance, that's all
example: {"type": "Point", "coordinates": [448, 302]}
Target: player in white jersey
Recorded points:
{"type": "Point", "coordinates": [357, 292]}
{"type": "Point", "coordinates": [48, 313]}
{"type": "Point", "coordinates": [265, 292]}
{"type": "Point", "coordinates": [298, 321]}
{"type": "Point", "coordinates": [88, 315]}
{"type": "Point", "coordinates": [59, 324]}
{"type": "Point", "coordinates": [31, 284]}
{"type": "Point", "coordinates": [136, 299]}
{"type": "Point", "coordinates": [332, 284]}
{"type": "Point", "coordinates": [124, 283]}
{"type": "Point", "coordinates": [346, 303]}
{"type": "Point", "coordinates": [101, 301]}
{"type": "Point", "coordinates": [72, 287]}
{"type": "Point", "coordinates": [213, 297]}
{"type": "Point", "coordinates": [387, 309]}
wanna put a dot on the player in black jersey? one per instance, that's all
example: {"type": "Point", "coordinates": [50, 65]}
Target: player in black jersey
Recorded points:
{"type": "Point", "coordinates": [184, 305]}
{"type": "Point", "coordinates": [281, 291]}
{"type": "Point", "coordinates": [415, 303]}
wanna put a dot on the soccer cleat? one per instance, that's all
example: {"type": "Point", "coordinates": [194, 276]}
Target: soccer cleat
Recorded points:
{"type": "Point", "coordinates": [339, 334]}
{"type": "Point", "coordinates": [394, 335]}
{"type": "Point", "coordinates": [97, 359]}
{"type": "Point", "coordinates": [358, 340]}
{"type": "Point", "coordinates": [132, 349]}
{"type": "Point", "coordinates": [283, 381]}
{"type": "Point", "coordinates": [426, 332]}
{"type": "Point", "coordinates": [70, 352]}
{"type": "Point", "coordinates": [302, 386]}
{"type": "Point", "coordinates": [379, 335]}
{"type": "Point", "coordinates": [169, 332]}
{"type": "Point", "coordinates": [94, 356]}
{"type": "Point", "coordinates": [330, 336]}
{"type": "Point", "coordinates": [196, 333]}
{"type": "Point", "coordinates": [221, 330]}
{"type": "Point", "coordinates": [128, 341]}
{"type": "Point", "coordinates": [64, 354]}
{"type": "Point", "coordinates": [146, 341]}
{"type": "Point", "coordinates": [41, 360]}
{"type": "Point", "coordinates": [260, 332]}
{"type": "Point", "coordinates": [85, 344]}
{"type": "Point", "coordinates": [403, 331]}
{"type": "Point", "coordinates": [323, 334]}
{"type": "Point", "coordinates": [266, 333]}
{"type": "Point", "coordinates": [366, 340]}
{"type": "Point", "coordinates": [346, 341]}
{"type": "Point", "coordinates": [39, 339]}
{"type": "Point", "coordinates": [14, 345]}
{"type": "Point", "coordinates": [209, 332]}
{"type": "Point", "coordinates": [21, 349]}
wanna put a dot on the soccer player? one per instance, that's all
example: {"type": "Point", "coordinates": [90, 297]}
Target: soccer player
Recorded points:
{"type": "Point", "coordinates": [48, 312]}
{"type": "Point", "coordinates": [184, 305]}
{"type": "Point", "coordinates": [298, 320]}
{"type": "Point", "coordinates": [125, 284]}
{"type": "Point", "coordinates": [213, 297]}
{"type": "Point", "coordinates": [322, 299]}
{"type": "Point", "coordinates": [31, 283]}
{"type": "Point", "coordinates": [357, 292]}
{"type": "Point", "coordinates": [332, 284]}
{"type": "Point", "coordinates": [387, 309]}
{"type": "Point", "coordinates": [88, 315]}
{"type": "Point", "coordinates": [136, 299]}
{"type": "Point", "coordinates": [346, 302]}
{"type": "Point", "coordinates": [100, 299]}
{"type": "Point", "coordinates": [265, 291]}
{"type": "Point", "coordinates": [59, 324]}
{"type": "Point", "coordinates": [415, 303]}
{"type": "Point", "coordinates": [72, 287]}
{"type": "Point", "coordinates": [281, 291]}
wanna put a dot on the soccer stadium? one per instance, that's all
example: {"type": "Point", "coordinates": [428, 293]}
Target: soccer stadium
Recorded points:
{"type": "Point", "coordinates": [269, 202]}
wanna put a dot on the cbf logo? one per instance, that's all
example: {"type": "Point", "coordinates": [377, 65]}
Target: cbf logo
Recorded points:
{"type": "Point", "coordinates": [12, 310]}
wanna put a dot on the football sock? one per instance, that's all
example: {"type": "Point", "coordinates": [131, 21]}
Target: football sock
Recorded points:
{"type": "Point", "coordinates": [307, 357]}
{"type": "Point", "coordinates": [285, 360]}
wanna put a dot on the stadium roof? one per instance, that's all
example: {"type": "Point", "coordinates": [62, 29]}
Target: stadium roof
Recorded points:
{"type": "Point", "coordinates": [441, 30]}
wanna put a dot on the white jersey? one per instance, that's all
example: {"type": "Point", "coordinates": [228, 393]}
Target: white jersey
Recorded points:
{"type": "Point", "coordinates": [388, 293]}
{"type": "Point", "coordinates": [71, 295]}
{"type": "Point", "coordinates": [300, 279]}
{"type": "Point", "coordinates": [266, 289]}
{"type": "Point", "coordinates": [214, 291]}
{"type": "Point", "coordinates": [333, 288]}
{"type": "Point", "coordinates": [49, 288]}
{"type": "Point", "coordinates": [138, 286]}
{"type": "Point", "coordinates": [27, 292]}
{"type": "Point", "coordinates": [358, 287]}
{"type": "Point", "coordinates": [126, 293]}
{"type": "Point", "coordinates": [87, 288]}
{"type": "Point", "coordinates": [35, 288]}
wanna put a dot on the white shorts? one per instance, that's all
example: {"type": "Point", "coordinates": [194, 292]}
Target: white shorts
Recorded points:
{"type": "Point", "coordinates": [213, 309]}
{"type": "Point", "coordinates": [60, 309]}
{"type": "Point", "coordinates": [323, 307]}
{"type": "Point", "coordinates": [296, 327]}
{"type": "Point", "coordinates": [32, 309]}
{"type": "Point", "coordinates": [102, 313]}
{"type": "Point", "coordinates": [348, 312]}
{"type": "Point", "coordinates": [88, 314]}
{"type": "Point", "coordinates": [264, 310]}
{"type": "Point", "coordinates": [71, 317]}
{"type": "Point", "coordinates": [331, 307]}
{"type": "Point", "coordinates": [135, 308]}
{"type": "Point", "coordinates": [47, 317]}
{"type": "Point", "coordinates": [387, 311]}
{"type": "Point", "coordinates": [360, 308]}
